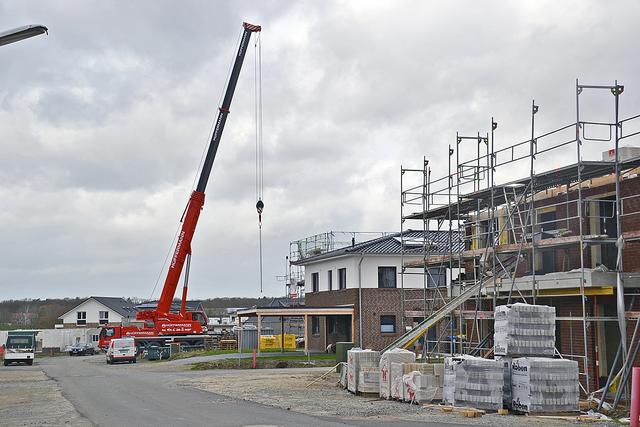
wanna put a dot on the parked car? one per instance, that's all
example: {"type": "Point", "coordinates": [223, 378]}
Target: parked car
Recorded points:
{"type": "Point", "coordinates": [121, 350]}
{"type": "Point", "coordinates": [81, 349]}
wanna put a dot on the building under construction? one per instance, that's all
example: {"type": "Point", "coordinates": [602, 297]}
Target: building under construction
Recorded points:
{"type": "Point", "coordinates": [554, 220]}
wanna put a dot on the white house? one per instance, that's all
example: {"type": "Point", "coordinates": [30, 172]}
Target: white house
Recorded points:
{"type": "Point", "coordinates": [375, 263]}
{"type": "Point", "coordinates": [96, 311]}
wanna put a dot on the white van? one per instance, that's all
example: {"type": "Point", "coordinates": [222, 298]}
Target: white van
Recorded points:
{"type": "Point", "coordinates": [20, 348]}
{"type": "Point", "coordinates": [121, 350]}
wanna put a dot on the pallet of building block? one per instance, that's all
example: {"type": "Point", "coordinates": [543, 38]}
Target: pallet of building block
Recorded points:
{"type": "Point", "coordinates": [396, 371]}
{"type": "Point", "coordinates": [421, 388]}
{"type": "Point", "coordinates": [369, 381]}
{"type": "Point", "coordinates": [427, 386]}
{"type": "Point", "coordinates": [479, 383]}
{"type": "Point", "coordinates": [542, 385]}
{"type": "Point", "coordinates": [506, 387]}
{"type": "Point", "coordinates": [524, 330]}
{"type": "Point", "coordinates": [396, 355]}
{"type": "Point", "coordinates": [449, 379]}
{"type": "Point", "coordinates": [358, 358]}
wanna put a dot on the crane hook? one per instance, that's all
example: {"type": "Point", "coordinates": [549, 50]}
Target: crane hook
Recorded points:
{"type": "Point", "coordinates": [259, 208]}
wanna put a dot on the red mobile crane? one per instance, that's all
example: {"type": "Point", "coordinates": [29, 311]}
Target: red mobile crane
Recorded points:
{"type": "Point", "coordinates": [161, 324]}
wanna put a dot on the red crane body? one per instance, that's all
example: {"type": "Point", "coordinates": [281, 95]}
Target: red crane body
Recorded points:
{"type": "Point", "coordinates": [162, 323]}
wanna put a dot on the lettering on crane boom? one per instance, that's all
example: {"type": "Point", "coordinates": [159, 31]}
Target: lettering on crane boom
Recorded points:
{"type": "Point", "coordinates": [175, 254]}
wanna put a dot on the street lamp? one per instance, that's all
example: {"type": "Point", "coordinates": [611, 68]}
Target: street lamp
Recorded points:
{"type": "Point", "coordinates": [21, 33]}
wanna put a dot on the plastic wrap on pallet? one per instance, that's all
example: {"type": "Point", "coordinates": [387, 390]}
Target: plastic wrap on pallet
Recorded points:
{"type": "Point", "coordinates": [421, 388]}
{"type": "Point", "coordinates": [431, 374]}
{"type": "Point", "coordinates": [478, 383]}
{"type": "Point", "coordinates": [506, 387]}
{"type": "Point", "coordinates": [369, 380]}
{"type": "Point", "coordinates": [343, 375]}
{"type": "Point", "coordinates": [449, 379]}
{"type": "Point", "coordinates": [396, 371]}
{"type": "Point", "coordinates": [544, 385]}
{"type": "Point", "coordinates": [396, 355]}
{"type": "Point", "coordinates": [358, 358]}
{"type": "Point", "coordinates": [524, 330]}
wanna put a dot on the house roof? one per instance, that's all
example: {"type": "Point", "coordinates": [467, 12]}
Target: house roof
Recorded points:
{"type": "Point", "coordinates": [175, 306]}
{"type": "Point", "coordinates": [392, 244]}
{"type": "Point", "coordinates": [280, 302]}
{"type": "Point", "coordinates": [117, 304]}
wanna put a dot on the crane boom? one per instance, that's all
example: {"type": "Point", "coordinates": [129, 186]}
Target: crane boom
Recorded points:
{"type": "Point", "coordinates": [196, 201]}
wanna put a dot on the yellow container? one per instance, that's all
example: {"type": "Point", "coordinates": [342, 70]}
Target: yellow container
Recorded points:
{"type": "Point", "coordinates": [268, 342]}
{"type": "Point", "coordinates": [289, 341]}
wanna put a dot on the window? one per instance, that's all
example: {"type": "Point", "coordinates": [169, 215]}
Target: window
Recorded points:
{"type": "Point", "coordinates": [82, 318]}
{"type": "Point", "coordinates": [315, 281]}
{"type": "Point", "coordinates": [330, 279]}
{"type": "Point", "coordinates": [315, 325]}
{"type": "Point", "coordinates": [103, 317]}
{"type": "Point", "coordinates": [386, 277]}
{"type": "Point", "coordinates": [342, 278]}
{"type": "Point", "coordinates": [331, 325]}
{"type": "Point", "coordinates": [94, 338]}
{"type": "Point", "coordinates": [387, 324]}
{"type": "Point", "coordinates": [436, 278]}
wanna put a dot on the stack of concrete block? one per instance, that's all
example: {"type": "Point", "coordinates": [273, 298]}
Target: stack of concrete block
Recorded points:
{"type": "Point", "coordinates": [449, 382]}
{"type": "Point", "coordinates": [478, 383]}
{"type": "Point", "coordinates": [396, 355]}
{"type": "Point", "coordinates": [357, 359]}
{"type": "Point", "coordinates": [506, 388]}
{"type": "Point", "coordinates": [396, 371]}
{"type": "Point", "coordinates": [369, 380]}
{"type": "Point", "coordinates": [544, 385]}
{"type": "Point", "coordinates": [423, 382]}
{"type": "Point", "coordinates": [522, 330]}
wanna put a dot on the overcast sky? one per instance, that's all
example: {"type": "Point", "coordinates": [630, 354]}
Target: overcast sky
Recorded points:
{"type": "Point", "coordinates": [103, 123]}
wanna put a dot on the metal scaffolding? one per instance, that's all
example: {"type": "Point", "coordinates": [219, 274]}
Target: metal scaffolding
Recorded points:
{"type": "Point", "coordinates": [505, 231]}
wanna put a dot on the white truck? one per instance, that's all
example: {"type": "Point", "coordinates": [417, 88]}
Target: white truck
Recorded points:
{"type": "Point", "coordinates": [20, 347]}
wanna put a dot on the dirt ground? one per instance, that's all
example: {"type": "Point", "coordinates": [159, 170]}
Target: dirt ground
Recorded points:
{"type": "Point", "coordinates": [29, 398]}
{"type": "Point", "coordinates": [324, 398]}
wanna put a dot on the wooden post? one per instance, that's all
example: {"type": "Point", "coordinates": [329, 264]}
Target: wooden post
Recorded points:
{"type": "Point", "coordinates": [306, 334]}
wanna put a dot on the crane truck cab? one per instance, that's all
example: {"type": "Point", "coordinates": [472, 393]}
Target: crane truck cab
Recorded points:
{"type": "Point", "coordinates": [20, 347]}
{"type": "Point", "coordinates": [121, 350]}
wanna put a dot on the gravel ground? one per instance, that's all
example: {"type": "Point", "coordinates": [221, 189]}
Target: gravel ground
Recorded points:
{"type": "Point", "coordinates": [29, 398]}
{"type": "Point", "coordinates": [287, 390]}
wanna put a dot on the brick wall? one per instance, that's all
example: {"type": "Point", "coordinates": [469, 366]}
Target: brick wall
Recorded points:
{"type": "Point", "coordinates": [375, 302]}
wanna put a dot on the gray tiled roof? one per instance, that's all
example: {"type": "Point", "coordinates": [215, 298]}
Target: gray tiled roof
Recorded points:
{"type": "Point", "coordinates": [175, 306]}
{"type": "Point", "coordinates": [392, 244]}
{"type": "Point", "coordinates": [119, 305]}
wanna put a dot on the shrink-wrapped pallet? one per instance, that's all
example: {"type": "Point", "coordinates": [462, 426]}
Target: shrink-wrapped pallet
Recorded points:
{"type": "Point", "coordinates": [396, 371]}
{"type": "Point", "coordinates": [506, 387]}
{"type": "Point", "coordinates": [425, 387]}
{"type": "Point", "coordinates": [478, 383]}
{"type": "Point", "coordinates": [422, 387]}
{"type": "Point", "coordinates": [369, 380]}
{"type": "Point", "coordinates": [396, 355]}
{"type": "Point", "coordinates": [449, 379]}
{"type": "Point", "coordinates": [357, 359]}
{"type": "Point", "coordinates": [544, 385]}
{"type": "Point", "coordinates": [524, 330]}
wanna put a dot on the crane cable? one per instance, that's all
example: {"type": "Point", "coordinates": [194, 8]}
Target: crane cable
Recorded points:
{"type": "Point", "coordinates": [259, 149]}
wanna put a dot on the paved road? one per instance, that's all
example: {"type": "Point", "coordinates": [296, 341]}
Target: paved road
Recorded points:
{"type": "Point", "coordinates": [115, 395]}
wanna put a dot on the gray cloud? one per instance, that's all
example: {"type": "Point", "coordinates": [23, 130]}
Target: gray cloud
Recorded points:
{"type": "Point", "coordinates": [103, 122]}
